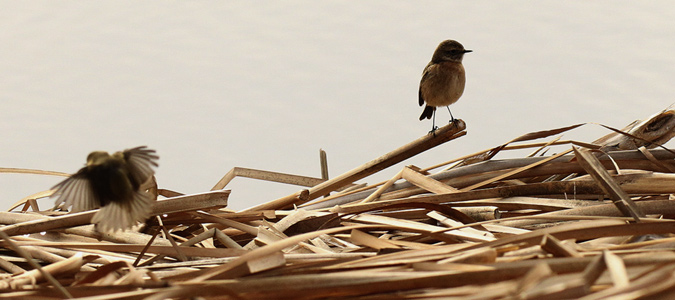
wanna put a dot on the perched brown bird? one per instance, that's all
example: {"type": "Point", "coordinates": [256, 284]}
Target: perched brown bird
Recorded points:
{"type": "Point", "coordinates": [442, 80]}
{"type": "Point", "coordinates": [112, 182]}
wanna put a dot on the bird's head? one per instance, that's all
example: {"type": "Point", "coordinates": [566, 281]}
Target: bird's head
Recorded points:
{"type": "Point", "coordinates": [449, 50]}
{"type": "Point", "coordinates": [97, 158]}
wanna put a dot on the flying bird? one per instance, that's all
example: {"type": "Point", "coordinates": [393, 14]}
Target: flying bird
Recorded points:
{"type": "Point", "coordinates": [113, 183]}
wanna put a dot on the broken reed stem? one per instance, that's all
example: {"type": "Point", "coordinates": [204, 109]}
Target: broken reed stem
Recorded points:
{"type": "Point", "coordinates": [37, 223]}
{"type": "Point", "coordinates": [323, 160]}
{"type": "Point", "coordinates": [426, 182]}
{"type": "Point", "coordinates": [376, 194]}
{"type": "Point", "coordinates": [471, 174]}
{"type": "Point", "coordinates": [32, 171]}
{"type": "Point", "coordinates": [610, 187]}
{"type": "Point", "coordinates": [634, 184]}
{"type": "Point", "coordinates": [516, 171]}
{"type": "Point", "coordinates": [266, 176]}
{"type": "Point", "coordinates": [444, 134]}
{"type": "Point", "coordinates": [35, 265]}
{"type": "Point", "coordinates": [650, 207]}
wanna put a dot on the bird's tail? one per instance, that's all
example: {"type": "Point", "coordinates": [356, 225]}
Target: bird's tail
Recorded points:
{"type": "Point", "coordinates": [427, 113]}
{"type": "Point", "coordinates": [123, 215]}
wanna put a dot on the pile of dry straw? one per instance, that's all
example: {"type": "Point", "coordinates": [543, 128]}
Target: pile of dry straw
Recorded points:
{"type": "Point", "coordinates": [593, 221]}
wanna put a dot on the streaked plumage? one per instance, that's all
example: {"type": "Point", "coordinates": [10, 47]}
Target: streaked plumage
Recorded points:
{"type": "Point", "coordinates": [112, 182]}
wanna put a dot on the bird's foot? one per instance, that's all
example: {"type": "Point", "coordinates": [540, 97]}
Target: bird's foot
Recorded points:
{"type": "Point", "coordinates": [452, 121]}
{"type": "Point", "coordinates": [433, 130]}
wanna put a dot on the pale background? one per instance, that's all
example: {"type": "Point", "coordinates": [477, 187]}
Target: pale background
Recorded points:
{"type": "Point", "coordinates": [217, 84]}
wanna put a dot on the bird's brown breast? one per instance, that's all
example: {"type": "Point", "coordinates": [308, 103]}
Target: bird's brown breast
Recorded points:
{"type": "Point", "coordinates": [443, 83]}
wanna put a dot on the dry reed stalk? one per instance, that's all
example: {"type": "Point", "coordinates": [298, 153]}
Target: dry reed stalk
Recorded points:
{"type": "Point", "coordinates": [608, 185]}
{"type": "Point", "coordinates": [486, 171]}
{"type": "Point", "coordinates": [267, 176]}
{"type": "Point", "coordinates": [442, 135]}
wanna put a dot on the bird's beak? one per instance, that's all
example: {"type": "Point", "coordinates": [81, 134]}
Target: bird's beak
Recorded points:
{"type": "Point", "coordinates": [467, 51]}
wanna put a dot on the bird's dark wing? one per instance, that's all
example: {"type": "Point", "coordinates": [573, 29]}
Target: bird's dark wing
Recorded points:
{"type": "Point", "coordinates": [76, 191]}
{"type": "Point", "coordinates": [140, 161]}
{"type": "Point", "coordinates": [426, 75]}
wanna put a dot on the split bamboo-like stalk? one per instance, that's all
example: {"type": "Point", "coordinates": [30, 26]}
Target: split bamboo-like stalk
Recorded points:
{"type": "Point", "coordinates": [442, 135]}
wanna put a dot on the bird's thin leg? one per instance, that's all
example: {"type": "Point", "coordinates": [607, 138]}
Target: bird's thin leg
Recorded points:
{"type": "Point", "coordinates": [433, 122]}
{"type": "Point", "coordinates": [452, 119]}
